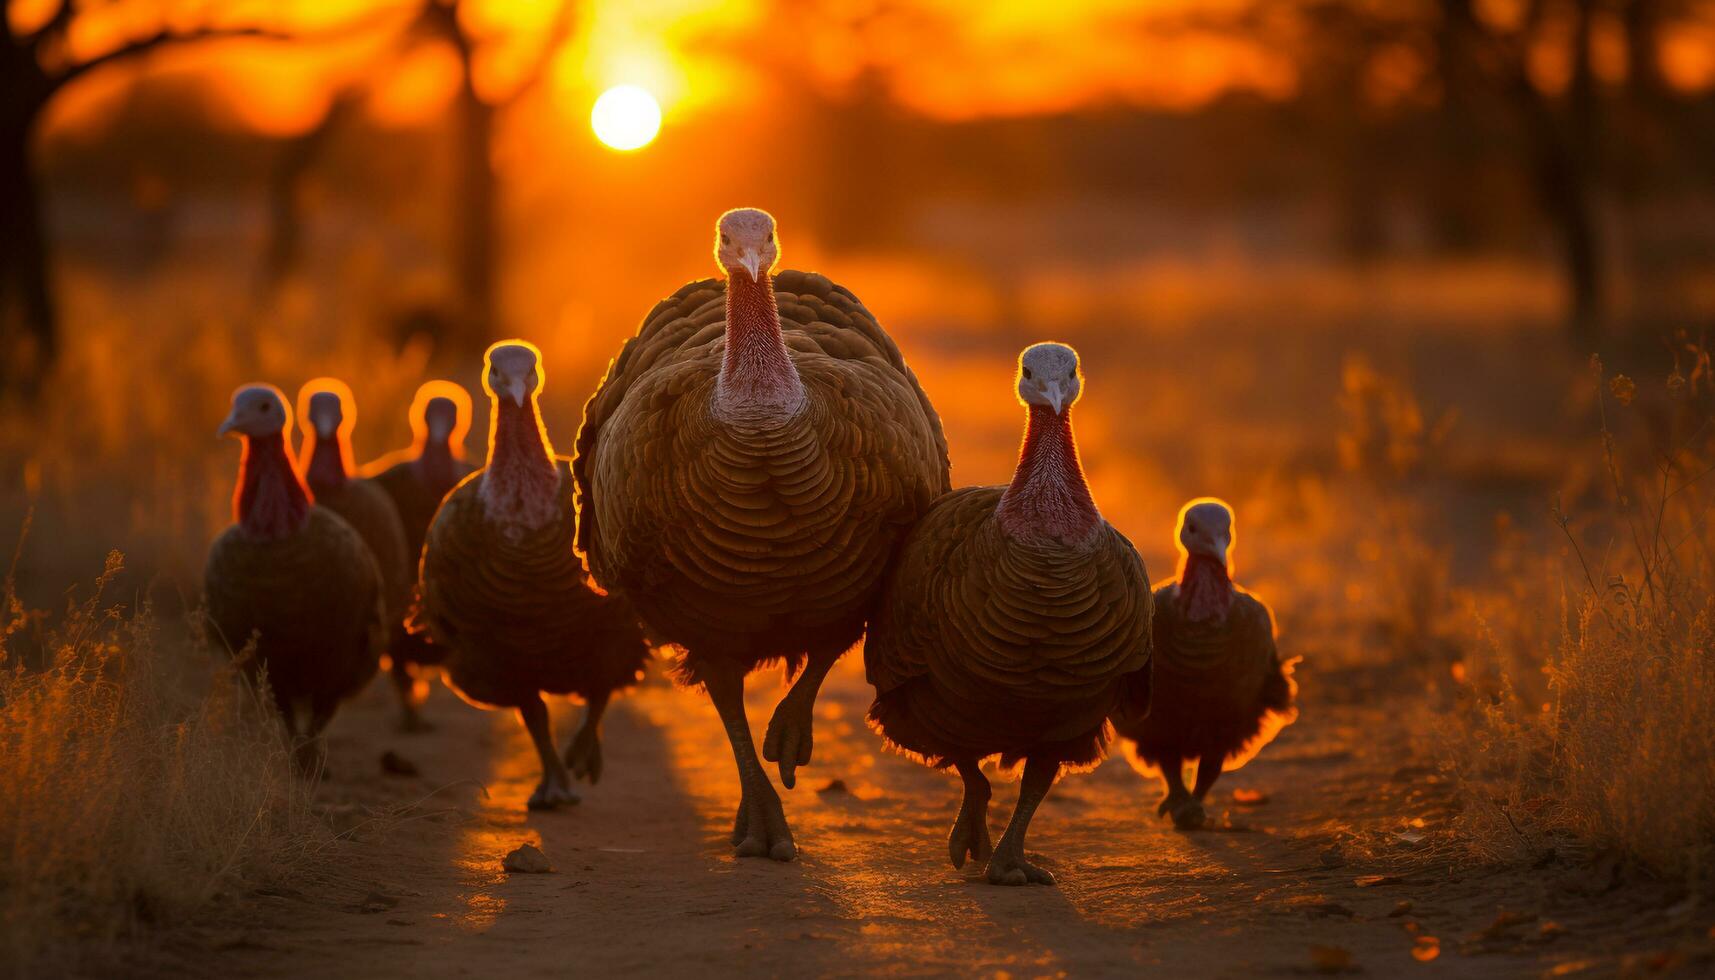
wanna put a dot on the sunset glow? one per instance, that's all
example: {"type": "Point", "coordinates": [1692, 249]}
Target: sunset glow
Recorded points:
{"type": "Point", "coordinates": [626, 117]}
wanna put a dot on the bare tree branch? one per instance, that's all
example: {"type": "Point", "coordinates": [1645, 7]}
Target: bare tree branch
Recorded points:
{"type": "Point", "coordinates": [158, 40]}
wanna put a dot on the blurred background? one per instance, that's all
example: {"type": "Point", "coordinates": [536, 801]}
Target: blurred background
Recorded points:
{"type": "Point", "coordinates": [1311, 249]}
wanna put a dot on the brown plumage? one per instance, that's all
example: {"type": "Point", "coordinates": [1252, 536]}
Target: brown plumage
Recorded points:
{"type": "Point", "coordinates": [745, 470]}
{"type": "Point", "coordinates": [294, 576]}
{"type": "Point", "coordinates": [416, 480]}
{"type": "Point", "coordinates": [1009, 625]}
{"type": "Point", "coordinates": [1221, 691]}
{"type": "Point", "coordinates": [330, 414]}
{"type": "Point", "coordinates": [504, 593]}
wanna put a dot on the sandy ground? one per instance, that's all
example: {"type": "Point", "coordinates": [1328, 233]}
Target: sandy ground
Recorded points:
{"type": "Point", "coordinates": [643, 879]}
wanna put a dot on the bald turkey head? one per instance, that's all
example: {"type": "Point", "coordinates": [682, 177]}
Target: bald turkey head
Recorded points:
{"type": "Point", "coordinates": [257, 410]}
{"type": "Point", "coordinates": [440, 418]}
{"type": "Point", "coordinates": [1205, 578]}
{"type": "Point", "coordinates": [512, 372]}
{"type": "Point", "coordinates": [744, 239]}
{"type": "Point", "coordinates": [1048, 375]}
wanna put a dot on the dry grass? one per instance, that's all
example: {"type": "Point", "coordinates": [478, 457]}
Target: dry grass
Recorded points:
{"type": "Point", "coordinates": [1586, 694]}
{"type": "Point", "coordinates": [140, 781]}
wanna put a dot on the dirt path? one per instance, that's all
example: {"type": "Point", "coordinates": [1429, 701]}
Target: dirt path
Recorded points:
{"type": "Point", "coordinates": [644, 880]}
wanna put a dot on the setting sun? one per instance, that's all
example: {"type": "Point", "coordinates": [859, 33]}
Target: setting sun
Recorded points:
{"type": "Point", "coordinates": [626, 117]}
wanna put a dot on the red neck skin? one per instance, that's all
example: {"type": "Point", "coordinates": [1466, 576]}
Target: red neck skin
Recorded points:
{"type": "Point", "coordinates": [327, 470]}
{"type": "Point", "coordinates": [1205, 588]}
{"type": "Point", "coordinates": [521, 486]}
{"type": "Point", "coordinates": [436, 466]}
{"type": "Point", "coordinates": [1049, 497]}
{"type": "Point", "coordinates": [271, 500]}
{"type": "Point", "coordinates": [757, 375]}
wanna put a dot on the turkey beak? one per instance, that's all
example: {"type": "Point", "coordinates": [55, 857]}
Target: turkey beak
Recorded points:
{"type": "Point", "coordinates": [751, 259]}
{"type": "Point", "coordinates": [1056, 395]}
{"type": "Point", "coordinates": [515, 388]}
{"type": "Point", "coordinates": [325, 426]}
{"type": "Point", "coordinates": [227, 426]}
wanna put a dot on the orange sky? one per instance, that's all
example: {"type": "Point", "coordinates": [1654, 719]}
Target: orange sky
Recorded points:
{"type": "Point", "coordinates": [944, 58]}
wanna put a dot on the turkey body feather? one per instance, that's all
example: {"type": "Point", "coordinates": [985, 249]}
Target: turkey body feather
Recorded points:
{"type": "Point", "coordinates": [315, 600]}
{"type": "Point", "coordinates": [370, 512]}
{"type": "Point", "coordinates": [416, 502]}
{"type": "Point", "coordinates": [1216, 683]}
{"type": "Point", "coordinates": [985, 645]}
{"type": "Point", "coordinates": [755, 542]}
{"type": "Point", "coordinates": [515, 613]}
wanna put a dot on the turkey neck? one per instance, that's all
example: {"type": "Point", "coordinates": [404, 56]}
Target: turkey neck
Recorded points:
{"type": "Point", "coordinates": [521, 486]}
{"type": "Point", "coordinates": [326, 471]}
{"type": "Point", "coordinates": [1049, 497]}
{"type": "Point", "coordinates": [1205, 590]}
{"type": "Point", "coordinates": [271, 500]}
{"type": "Point", "coordinates": [757, 374]}
{"type": "Point", "coordinates": [435, 465]}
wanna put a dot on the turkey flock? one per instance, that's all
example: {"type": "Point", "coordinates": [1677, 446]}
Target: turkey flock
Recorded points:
{"type": "Point", "coordinates": [758, 479]}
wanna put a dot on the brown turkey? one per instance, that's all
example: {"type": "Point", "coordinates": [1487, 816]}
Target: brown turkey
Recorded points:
{"type": "Point", "coordinates": [1221, 691]}
{"type": "Point", "coordinates": [745, 470]}
{"type": "Point", "coordinates": [329, 415]}
{"type": "Point", "coordinates": [1012, 622]}
{"type": "Point", "coordinates": [416, 479]}
{"type": "Point", "coordinates": [504, 593]}
{"type": "Point", "coordinates": [295, 577]}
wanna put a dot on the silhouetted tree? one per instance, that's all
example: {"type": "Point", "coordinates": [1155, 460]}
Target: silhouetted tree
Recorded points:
{"type": "Point", "coordinates": [35, 66]}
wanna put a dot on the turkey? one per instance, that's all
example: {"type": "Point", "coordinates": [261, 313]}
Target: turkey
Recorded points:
{"type": "Point", "coordinates": [1221, 691]}
{"type": "Point", "coordinates": [294, 576]}
{"type": "Point", "coordinates": [416, 479]}
{"type": "Point", "coordinates": [744, 472]}
{"type": "Point", "coordinates": [504, 593]}
{"type": "Point", "coordinates": [1013, 622]}
{"type": "Point", "coordinates": [330, 414]}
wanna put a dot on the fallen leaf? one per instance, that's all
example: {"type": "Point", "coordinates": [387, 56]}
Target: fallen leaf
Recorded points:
{"type": "Point", "coordinates": [1408, 836]}
{"type": "Point", "coordinates": [1373, 881]}
{"type": "Point", "coordinates": [1402, 908]}
{"type": "Point", "coordinates": [527, 859]}
{"type": "Point", "coordinates": [1426, 949]}
{"type": "Point", "coordinates": [1330, 959]}
{"type": "Point", "coordinates": [1249, 797]}
{"type": "Point", "coordinates": [1505, 923]}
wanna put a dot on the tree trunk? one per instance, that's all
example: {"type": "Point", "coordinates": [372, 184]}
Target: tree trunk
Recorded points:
{"type": "Point", "coordinates": [29, 336]}
{"type": "Point", "coordinates": [474, 232]}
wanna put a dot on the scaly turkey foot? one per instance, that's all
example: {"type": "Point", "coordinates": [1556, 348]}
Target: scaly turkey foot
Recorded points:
{"type": "Point", "coordinates": [1172, 802]}
{"type": "Point", "coordinates": [760, 828]}
{"type": "Point", "coordinates": [790, 736]}
{"type": "Point", "coordinates": [552, 792]}
{"type": "Point", "coordinates": [1010, 868]}
{"type": "Point", "coordinates": [583, 756]}
{"type": "Point", "coordinates": [970, 836]}
{"type": "Point", "coordinates": [1188, 814]}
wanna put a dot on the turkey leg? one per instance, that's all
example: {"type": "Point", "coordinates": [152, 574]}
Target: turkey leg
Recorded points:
{"type": "Point", "coordinates": [970, 834]}
{"type": "Point", "coordinates": [1173, 774]}
{"type": "Point", "coordinates": [1190, 815]}
{"type": "Point", "coordinates": [556, 785]}
{"type": "Point", "coordinates": [760, 829]}
{"type": "Point", "coordinates": [583, 756]}
{"type": "Point", "coordinates": [789, 736]}
{"type": "Point", "coordinates": [1007, 866]}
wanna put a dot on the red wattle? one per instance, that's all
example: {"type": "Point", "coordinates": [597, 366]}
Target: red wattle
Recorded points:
{"type": "Point", "coordinates": [521, 483]}
{"type": "Point", "coordinates": [756, 369]}
{"type": "Point", "coordinates": [271, 500]}
{"type": "Point", "coordinates": [1205, 589]}
{"type": "Point", "coordinates": [1049, 496]}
